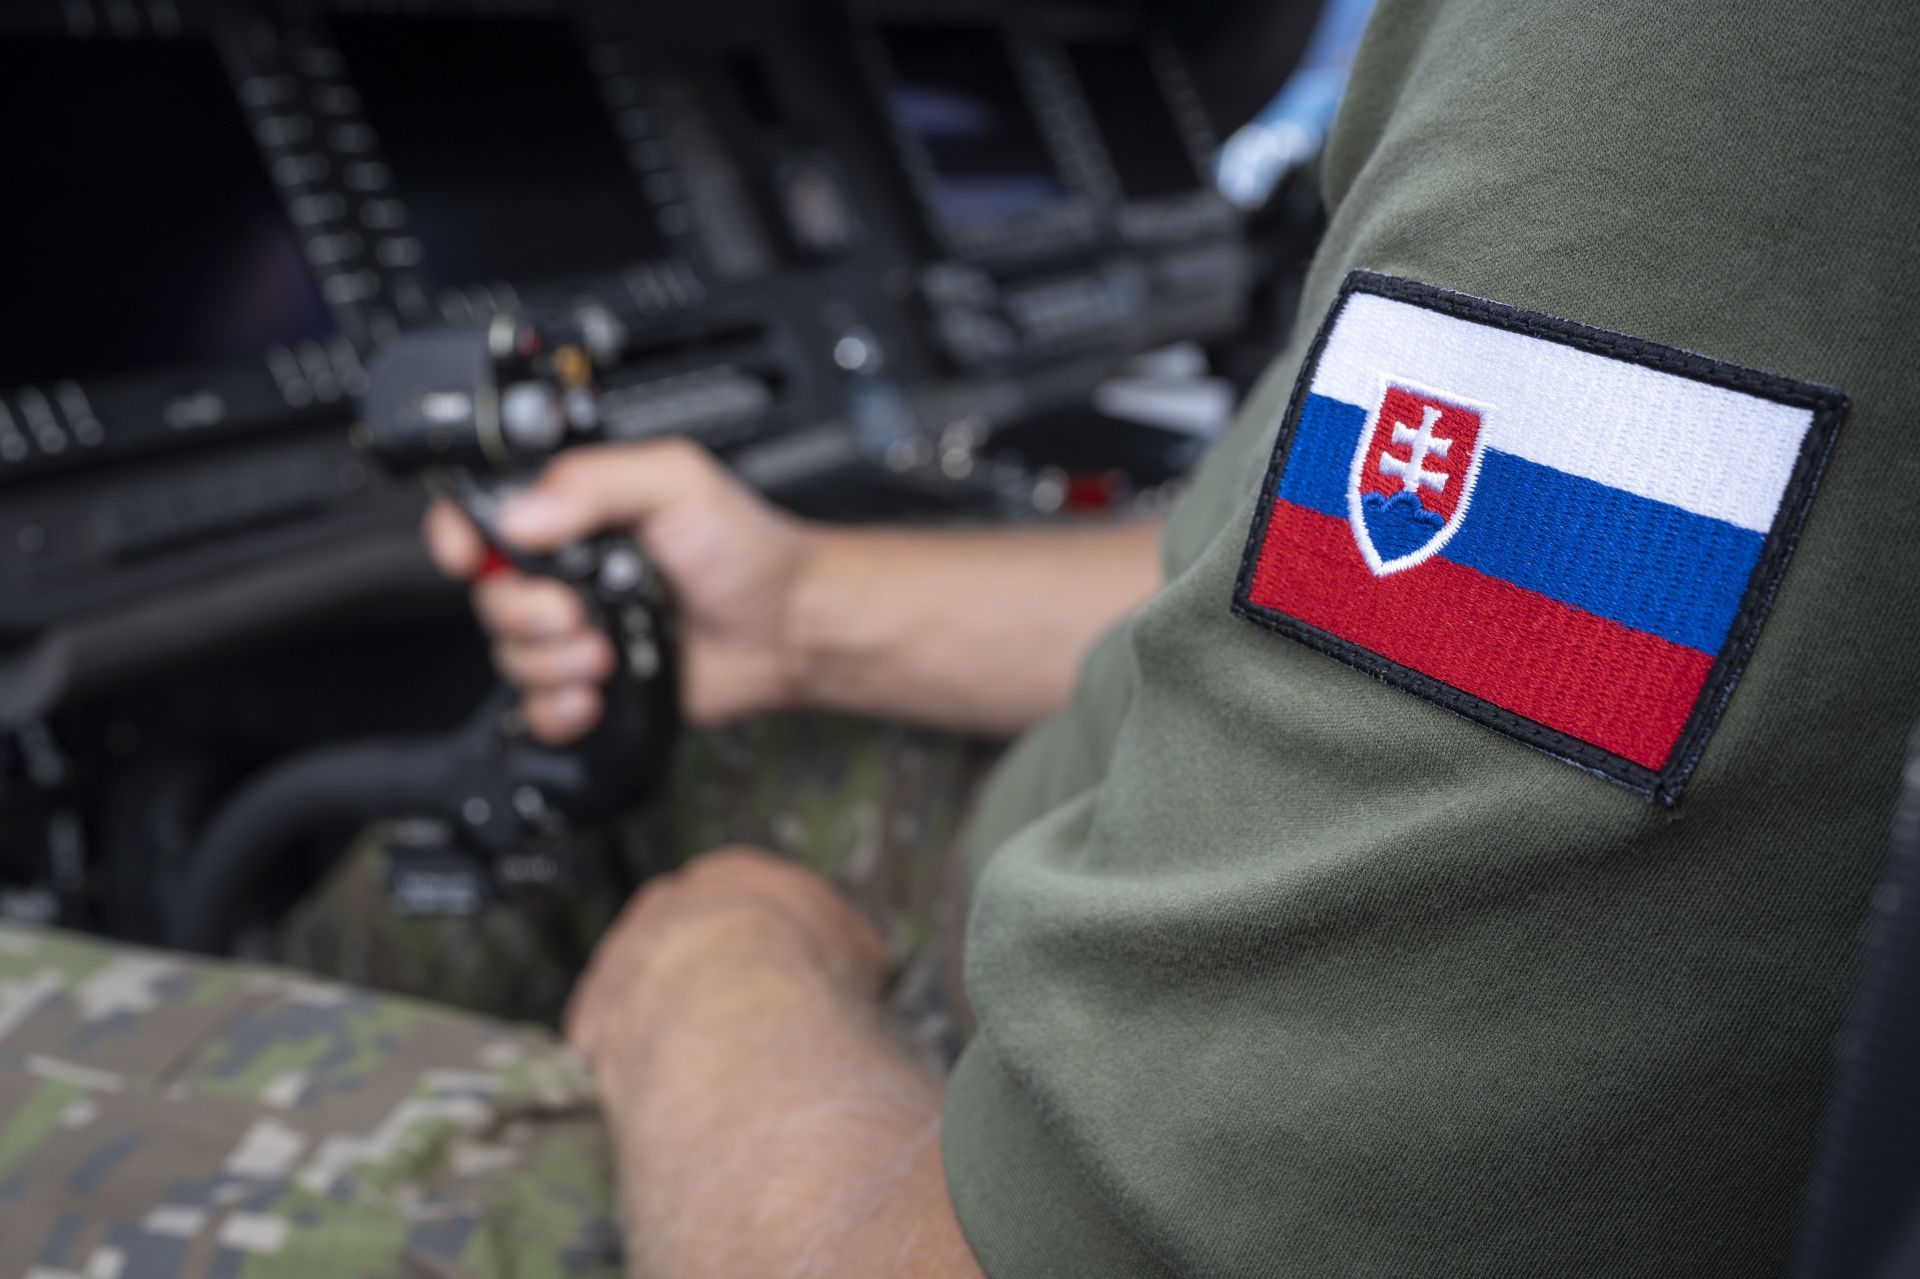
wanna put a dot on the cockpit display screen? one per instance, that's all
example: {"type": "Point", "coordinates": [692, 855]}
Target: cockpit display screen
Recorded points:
{"type": "Point", "coordinates": [138, 226]}
{"type": "Point", "coordinates": [1136, 123]}
{"type": "Point", "coordinates": [500, 146]}
{"type": "Point", "coordinates": [956, 92]}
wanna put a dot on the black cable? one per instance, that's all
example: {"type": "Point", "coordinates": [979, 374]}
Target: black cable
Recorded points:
{"type": "Point", "coordinates": [256, 831]}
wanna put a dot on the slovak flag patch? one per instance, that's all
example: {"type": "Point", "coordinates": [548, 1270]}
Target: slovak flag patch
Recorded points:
{"type": "Point", "coordinates": [1563, 533]}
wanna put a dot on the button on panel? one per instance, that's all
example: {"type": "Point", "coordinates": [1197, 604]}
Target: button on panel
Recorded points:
{"type": "Point", "coordinates": [156, 518]}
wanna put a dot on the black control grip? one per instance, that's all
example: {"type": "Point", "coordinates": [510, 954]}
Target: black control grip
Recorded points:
{"type": "Point", "coordinates": [624, 757]}
{"type": "Point", "coordinates": [619, 762]}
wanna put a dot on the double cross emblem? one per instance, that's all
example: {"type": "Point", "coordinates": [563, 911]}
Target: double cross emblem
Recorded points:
{"type": "Point", "coordinates": [1423, 444]}
{"type": "Point", "coordinates": [1409, 488]}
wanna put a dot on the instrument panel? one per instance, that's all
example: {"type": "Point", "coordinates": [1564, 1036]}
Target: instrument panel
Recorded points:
{"type": "Point", "coordinates": [824, 236]}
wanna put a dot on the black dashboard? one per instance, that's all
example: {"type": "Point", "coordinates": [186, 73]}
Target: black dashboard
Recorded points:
{"type": "Point", "coordinates": [825, 234]}
{"type": "Point", "coordinates": [827, 237]}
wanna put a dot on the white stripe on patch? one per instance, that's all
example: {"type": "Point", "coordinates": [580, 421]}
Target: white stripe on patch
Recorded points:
{"type": "Point", "coordinates": [1703, 448]}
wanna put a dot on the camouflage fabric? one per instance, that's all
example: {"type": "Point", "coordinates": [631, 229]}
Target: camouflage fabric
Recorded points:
{"type": "Point", "coordinates": [163, 1118]}
{"type": "Point", "coordinates": [873, 806]}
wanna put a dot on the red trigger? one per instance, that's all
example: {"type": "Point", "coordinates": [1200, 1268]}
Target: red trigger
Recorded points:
{"type": "Point", "coordinates": [493, 562]}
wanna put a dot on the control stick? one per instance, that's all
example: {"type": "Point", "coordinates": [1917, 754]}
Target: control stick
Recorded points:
{"type": "Point", "coordinates": [478, 411]}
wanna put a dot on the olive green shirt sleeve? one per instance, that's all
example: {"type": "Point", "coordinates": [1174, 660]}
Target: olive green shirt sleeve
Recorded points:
{"type": "Point", "coordinates": [1264, 989]}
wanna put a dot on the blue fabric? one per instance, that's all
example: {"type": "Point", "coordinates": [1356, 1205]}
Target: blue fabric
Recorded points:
{"type": "Point", "coordinates": [1399, 525]}
{"type": "Point", "coordinates": [1322, 455]}
{"type": "Point", "coordinates": [1644, 564]}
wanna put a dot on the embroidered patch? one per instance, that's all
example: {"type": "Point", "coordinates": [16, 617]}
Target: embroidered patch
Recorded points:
{"type": "Point", "coordinates": [1563, 533]}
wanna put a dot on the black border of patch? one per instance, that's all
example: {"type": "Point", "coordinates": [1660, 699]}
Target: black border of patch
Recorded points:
{"type": "Point", "coordinates": [1829, 408]}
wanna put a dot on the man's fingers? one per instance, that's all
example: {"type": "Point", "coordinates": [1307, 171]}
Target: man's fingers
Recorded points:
{"type": "Point", "coordinates": [452, 540]}
{"type": "Point", "coordinates": [559, 716]}
{"type": "Point", "coordinates": [587, 490]}
{"type": "Point", "coordinates": [581, 658]}
{"type": "Point", "coordinates": [529, 609]}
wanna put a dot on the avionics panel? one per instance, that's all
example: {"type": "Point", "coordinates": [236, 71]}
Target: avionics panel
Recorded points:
{"type": "Point", "coordinates": [956, 95]}
{"type": "Point", "coordinates": [360, 166]}
{"type": "Point", "coordinates": [1143, 125]}
{"type": "Point", "coordinates": [121, 147]}
{"type": "Point", "coordinates": [152, 277]}
{"type": "Point", "coordinates": [1133, 118]}
{"type": "Point", "coordinates": [502, 152]}
{"type": "Point", "coordinates": [960, 102]}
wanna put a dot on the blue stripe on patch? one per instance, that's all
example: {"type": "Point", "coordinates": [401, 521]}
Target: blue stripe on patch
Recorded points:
{"type": "Point", "coordinates": [1644, 564]}
{"type": "Point", "coordinates": [1322, 455]}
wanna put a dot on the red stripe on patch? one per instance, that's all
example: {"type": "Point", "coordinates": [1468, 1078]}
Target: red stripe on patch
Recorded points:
{"type": "Point", "coordinates": [1622, 690]}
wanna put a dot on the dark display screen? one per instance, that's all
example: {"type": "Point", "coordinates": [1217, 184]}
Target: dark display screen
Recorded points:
{"type": "Point", "coordinates": [1136, 123]}
{"type": "Point", "coordinates": [500, 147]}
{"type": "Point", "coordinates": [955, 90]}
{"type": "Point", "coordinates": [138, 227]}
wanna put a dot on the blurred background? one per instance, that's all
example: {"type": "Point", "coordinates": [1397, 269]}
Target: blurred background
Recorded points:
{"type": "Point", "coordinates": [921, 261]}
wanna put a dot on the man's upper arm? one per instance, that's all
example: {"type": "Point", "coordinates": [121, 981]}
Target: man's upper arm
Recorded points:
{"type": "Point", "coordinates": [1350, 975]}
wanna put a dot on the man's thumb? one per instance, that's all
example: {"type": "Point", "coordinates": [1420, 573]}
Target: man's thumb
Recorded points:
{"type": "Point", "coordinates": [590, 489]}
{"type": "Point", "coordinates": [539, 520]}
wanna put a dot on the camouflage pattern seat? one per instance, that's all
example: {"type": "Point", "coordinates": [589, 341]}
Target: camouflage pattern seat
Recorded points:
{"type": "Point", "coordinates": [165, 1117]}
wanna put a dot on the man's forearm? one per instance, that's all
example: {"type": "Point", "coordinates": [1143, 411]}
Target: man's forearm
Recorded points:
{"type": "Point", "coordinates": [979, 631]}
{"type": "Point", "coordinates": [772, 1128]}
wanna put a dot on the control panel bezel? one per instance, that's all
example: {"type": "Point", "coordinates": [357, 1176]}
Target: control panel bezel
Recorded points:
{"type": "Point", "coordinates": [671, 281]}
{"type": "Point", "coordinates": [843, 346]}
{"type": "Point", "coordinates": [76, 421]}
{"type": "Point", "coordinates": [324, 161]}
{"type": "Point", "coordinates": [1069, 225]}
{"type": "Point", "coordinates": [1151, 221]}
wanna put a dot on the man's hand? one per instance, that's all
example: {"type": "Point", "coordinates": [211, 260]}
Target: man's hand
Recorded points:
{"type": "Point", "coordinates": [765, 1121]}
{"type": "Point", "coordinates": [725, 914]}
{"type": "Point", "coordinates": [971, 630]}
{"type": "Point", "coordinates": [731, 559]}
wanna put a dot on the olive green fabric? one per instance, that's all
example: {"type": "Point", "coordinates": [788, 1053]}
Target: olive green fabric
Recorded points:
{"type": "Point", "coordinates": [1305, 976]}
